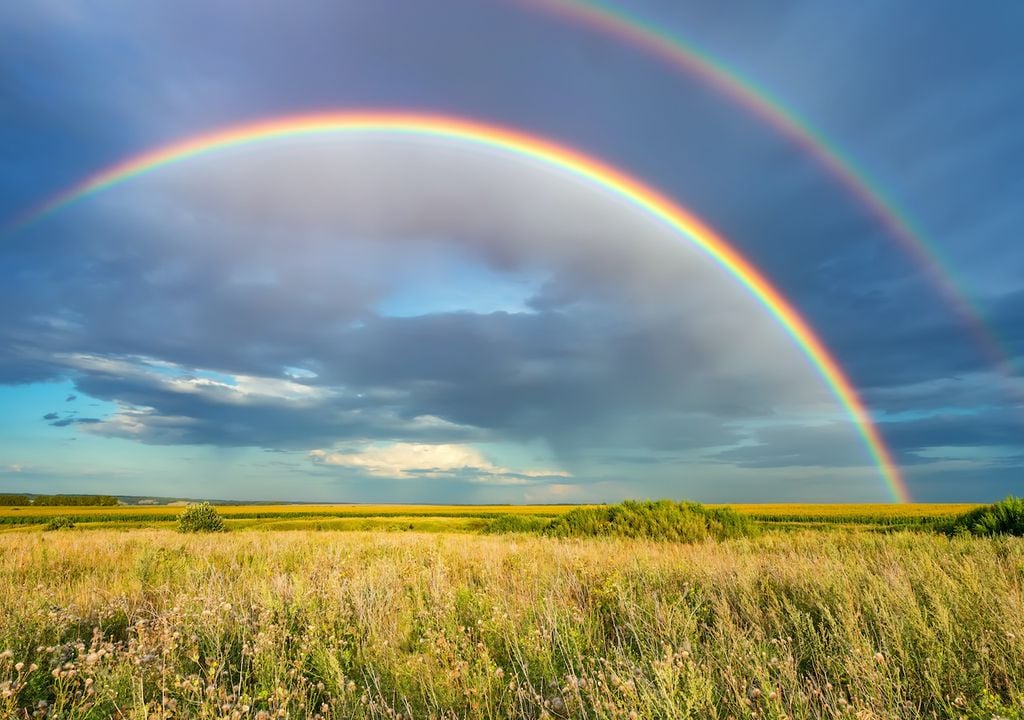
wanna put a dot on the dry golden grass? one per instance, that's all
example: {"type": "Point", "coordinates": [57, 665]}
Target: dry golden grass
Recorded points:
{"type": "Point", "coordinates": [381, 625]}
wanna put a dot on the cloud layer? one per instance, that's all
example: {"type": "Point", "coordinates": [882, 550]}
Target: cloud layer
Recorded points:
{"type": "Point", "coordinates": [286, 297]}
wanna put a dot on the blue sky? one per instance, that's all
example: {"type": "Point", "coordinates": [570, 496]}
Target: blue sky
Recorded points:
{"type": "Point", "coordinates": [368, 319]}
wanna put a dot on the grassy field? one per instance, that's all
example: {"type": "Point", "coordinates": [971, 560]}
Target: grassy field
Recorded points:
{"type": "Point", "coordinates": [430, 517]}
{"type": "Point", "coordinates": [843, 624]}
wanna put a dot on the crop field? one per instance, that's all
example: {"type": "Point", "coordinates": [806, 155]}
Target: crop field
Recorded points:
{"type": "Point", "coordinates": [428, 517]}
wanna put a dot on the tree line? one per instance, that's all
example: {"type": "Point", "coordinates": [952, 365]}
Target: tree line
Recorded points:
{"type": "Point", "coordinates": [52, 500]}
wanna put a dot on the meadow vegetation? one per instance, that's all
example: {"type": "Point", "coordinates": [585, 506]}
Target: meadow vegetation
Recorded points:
{"type": "Point", "coordinates": [200, 517]}
{"type": "Point", "coordinates": [59, 522]}
{"type": "Point", "coordinates": [799, 624]}
{"type": "Point", "coordinates": [661, 520]}
{"type": "Point", "coordinates": [882, 516]}
{"type": "Point", "coordinates": [1001, 518]}
{"type": "Point", "coordinates": [638, 610]}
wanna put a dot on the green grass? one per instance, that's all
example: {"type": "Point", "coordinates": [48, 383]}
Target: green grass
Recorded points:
{"type": "Point", "coordinates": [1002, 518]}
{"type": "Point", "coordinates": [661, 520]}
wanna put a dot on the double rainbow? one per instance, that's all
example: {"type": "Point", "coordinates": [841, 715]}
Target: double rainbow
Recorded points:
{"type": "Point", "coordinates": [544, 153]}
{"type": "Point", "coordinates": [683, 55]}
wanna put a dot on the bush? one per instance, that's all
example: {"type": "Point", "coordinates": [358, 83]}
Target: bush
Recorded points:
{"type": "Point", "coordinates": [517, 524]}
{"type": "Point", "coordinates": [60, 522]}
{"type": "Point", "coordinates": [1002, 518]}
{"type": "Point", "coordinates": [661, 520]}
{"type": "Point", "coordinates": [200, 517]}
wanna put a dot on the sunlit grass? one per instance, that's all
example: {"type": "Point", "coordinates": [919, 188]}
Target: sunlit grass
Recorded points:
{"type": "Point", "coordinates": [878, 514]}
{"type": "Point", "coordinates": [386, 625]}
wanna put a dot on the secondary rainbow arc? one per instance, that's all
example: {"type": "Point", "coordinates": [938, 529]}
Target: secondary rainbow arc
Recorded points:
{"type": "Point", "coordinates": [726, 81]}
{"type": "Point", "coordinates": [544, 152]}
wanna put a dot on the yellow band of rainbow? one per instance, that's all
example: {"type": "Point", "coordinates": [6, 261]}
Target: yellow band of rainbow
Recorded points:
{"type": "Point", "coordinates": [521, 144]}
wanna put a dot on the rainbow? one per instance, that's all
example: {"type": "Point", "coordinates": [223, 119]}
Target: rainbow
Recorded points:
{"type": "Point", "coordinates": [713, 72]}
{"type": "Point", "coordinates": [546, 153]}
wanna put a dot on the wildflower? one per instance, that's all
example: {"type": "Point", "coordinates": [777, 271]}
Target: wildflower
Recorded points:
{"type": "Point", "coordinates": [19, 666]}
{"type": "Point", "coordinates": [879, 658]}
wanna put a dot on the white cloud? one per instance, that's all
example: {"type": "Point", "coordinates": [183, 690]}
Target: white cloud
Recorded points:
{"type": "Point", "coordinates": [408, 460]}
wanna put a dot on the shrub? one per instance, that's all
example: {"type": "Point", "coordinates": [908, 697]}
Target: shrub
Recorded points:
{"type": "Point", "coordinates": [661, 520]}
{"type": "Point", "coordinates": [200, 517]}
{"type": "Point", "coordinates": [516, 524]}
{"type": "Point", "coordinates": [1005, 517]}
{"type": "Point", "coordinates": [60, 522]}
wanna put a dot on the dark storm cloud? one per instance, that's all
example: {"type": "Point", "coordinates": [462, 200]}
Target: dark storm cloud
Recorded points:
{"type": "Point", "coordinates": [844, 271]}
{"type": "Point", "coordinates": [924, 440]}
{"type": "Point", "coordinates": [787, 446]}
{"type": "Point", "coordinates": [611, 354]}
{"type": "Point", "coordinates": [954, 430]}
{"type": "Point", "coordinates": [218, 270]}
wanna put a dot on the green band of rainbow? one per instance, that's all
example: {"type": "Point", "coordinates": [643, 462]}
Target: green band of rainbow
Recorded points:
{"type": "Point", "coordinates": [643, 197]}
{"type": "Point", "coordinates": [714, 73]}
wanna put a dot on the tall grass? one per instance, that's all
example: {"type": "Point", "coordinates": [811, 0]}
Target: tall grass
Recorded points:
{"type": "Point", "coordinates": [658, 520]}
{"type": "Point", "coordinates": [1005, 517]}
{"type": "Point", "coordinates": [383, 625]}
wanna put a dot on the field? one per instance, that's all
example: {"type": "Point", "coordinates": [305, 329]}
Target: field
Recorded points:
{"type": "Point", "coordinates": [835, 621]}
{"type": "Point", "coordinates": [446, 517]}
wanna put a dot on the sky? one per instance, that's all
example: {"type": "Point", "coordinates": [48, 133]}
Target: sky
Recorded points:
{"type": "Point", "coordinates": [372, 317]}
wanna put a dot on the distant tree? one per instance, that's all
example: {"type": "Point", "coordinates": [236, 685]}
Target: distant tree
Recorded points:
{"type": "Point", "coordinates": [10, 500]}
{"type": "Point", "coordinates": [74, 500]}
